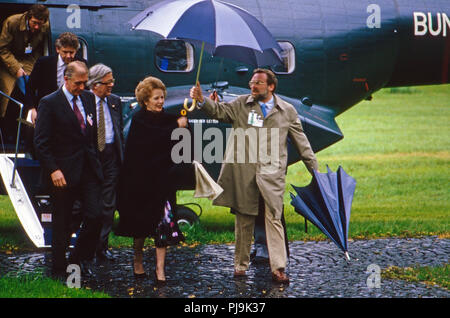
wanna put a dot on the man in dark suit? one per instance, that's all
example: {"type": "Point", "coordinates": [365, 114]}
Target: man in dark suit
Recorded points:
{"type": "Point", "coordinates": [110, 145]}
{"type": "Point", "coordinates": [64, 141]}
{"type": "Point", "coordinates": [48, 73]}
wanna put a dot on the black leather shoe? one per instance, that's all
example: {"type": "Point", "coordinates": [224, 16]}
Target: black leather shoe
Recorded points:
{"type": "Point", "coordinates": [139, 276]}
{"type": "Point", "coordinates": [105, 255]}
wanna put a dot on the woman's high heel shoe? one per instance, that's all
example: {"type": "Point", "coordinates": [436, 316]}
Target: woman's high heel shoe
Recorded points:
{"type": "Point", "coordinates": [138, 275]}
{"type": "Point", "coordinates": [158, 281]}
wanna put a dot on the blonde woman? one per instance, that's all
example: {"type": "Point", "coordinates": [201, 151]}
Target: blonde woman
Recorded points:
{"type": "Point", "coordinates": [144, 191]}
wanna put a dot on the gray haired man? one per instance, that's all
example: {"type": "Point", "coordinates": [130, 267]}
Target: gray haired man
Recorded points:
{"type": "Point", "coordinates": [110, 146]}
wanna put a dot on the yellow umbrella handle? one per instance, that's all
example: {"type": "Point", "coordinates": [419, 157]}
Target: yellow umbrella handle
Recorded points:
{"type": "Point", "coordinates": [194, 102]}
{"type": "Point", "coordinates": [189, 109]}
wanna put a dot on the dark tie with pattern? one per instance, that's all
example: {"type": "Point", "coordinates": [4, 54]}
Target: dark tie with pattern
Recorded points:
{"type": "Point", "coordinates": [101, 139]}
{"type": "Point", "coordinates": [79, 115]}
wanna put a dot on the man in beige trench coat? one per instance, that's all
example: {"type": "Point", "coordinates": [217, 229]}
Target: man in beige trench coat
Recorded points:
{"type": "Point", "coordinates": [22, 42]}
{"type": "Point", "coordinates": [266, 121]}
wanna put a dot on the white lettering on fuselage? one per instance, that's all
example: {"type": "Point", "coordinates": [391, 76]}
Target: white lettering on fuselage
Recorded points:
{"type": "Point", "coordinates": [374, 19]}
{"type": "Point", "coordinates": [73, 21]}
{"type": "Point", "coordinates": [424, 24]}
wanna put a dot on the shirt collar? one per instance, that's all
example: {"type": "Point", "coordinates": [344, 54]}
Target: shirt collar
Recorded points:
{"type": "Point", "coordinates": [97, 99]}
{"type": "Point", "coordinates": [268, 104]}
{"type": "Point", "coordinates": [277, 101]}
{"type": "Point", "coordinates": [60, 61]}
{"type": "Point", "coordinates": [68, 95]}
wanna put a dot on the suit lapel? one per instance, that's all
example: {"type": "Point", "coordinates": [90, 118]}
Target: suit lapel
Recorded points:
{"type": "Point", "coordinates": [114, 116]}
{"type": "Point", "coordinates": [272, 111]}
{"type": "Point", "coordinates": [53, 71]}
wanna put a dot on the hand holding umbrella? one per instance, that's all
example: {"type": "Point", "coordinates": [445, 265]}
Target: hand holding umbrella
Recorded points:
{"type": "Point", "coordinates": [196, 93]}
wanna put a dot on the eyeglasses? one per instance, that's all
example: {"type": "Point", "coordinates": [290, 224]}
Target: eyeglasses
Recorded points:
{"type": "Point", "coordinates": [110, 82]}
{"type": "Point", "coordinates": [256, 83]}
{"type": "Point", "coordinates": [35, 22]}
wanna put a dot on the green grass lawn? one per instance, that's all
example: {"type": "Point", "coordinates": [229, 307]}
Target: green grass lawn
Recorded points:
{"type": "Point", "coordinates": [38, 286]}
{"type": "Point", "coordinates": [434, 276]}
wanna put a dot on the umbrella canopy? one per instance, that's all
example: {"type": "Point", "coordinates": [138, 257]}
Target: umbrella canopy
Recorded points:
{"type": "Point", "coordinates": [223, 29]}
{"type": "Point", "coordinates": [326, 202]}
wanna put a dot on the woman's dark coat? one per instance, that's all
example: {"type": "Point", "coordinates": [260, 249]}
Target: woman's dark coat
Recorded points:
{"type": "Point", "coordinates": [144, 185]}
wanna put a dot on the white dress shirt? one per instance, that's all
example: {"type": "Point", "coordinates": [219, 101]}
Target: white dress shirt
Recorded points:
{"type": "Point", "coordinates": [60, 67]}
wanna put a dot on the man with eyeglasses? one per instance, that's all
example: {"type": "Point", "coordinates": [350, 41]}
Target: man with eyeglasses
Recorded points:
{"type": "Point", "coordinates": [22, 42]}
{"type": "Point", "coordinates": [48, 73]}
{"type": "Point", "coordinates": [65, 146]}
{"type": "Point", "coordinates": [255, 188]}
{"type": "Point", "coordinates": [110, 146]}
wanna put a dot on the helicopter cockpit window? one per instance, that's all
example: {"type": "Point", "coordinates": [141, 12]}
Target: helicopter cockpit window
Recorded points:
{"type": "Point", "coordinates": [288, 56]}
{"type": "Point", "coordinates": [174, 56]}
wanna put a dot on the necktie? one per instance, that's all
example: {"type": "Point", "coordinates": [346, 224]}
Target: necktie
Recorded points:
{"type": "Point", "coordinates": [264, 110]}
{"type": "Point", "coordinates": [101, 139]}
{"type": "Point", "coordinates": [79, 116]}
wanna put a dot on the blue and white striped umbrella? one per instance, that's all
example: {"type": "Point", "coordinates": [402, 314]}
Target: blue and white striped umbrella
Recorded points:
{"type": "Point", "coordinates": [223, 29]}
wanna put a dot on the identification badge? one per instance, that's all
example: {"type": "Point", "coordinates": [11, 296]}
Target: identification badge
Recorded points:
{"type": "Point", "coordinates": [255, 120]}
{"type": "Point", "coordinates": [89, 119]}
{"type": "Point", "coordinates": [28, 49]}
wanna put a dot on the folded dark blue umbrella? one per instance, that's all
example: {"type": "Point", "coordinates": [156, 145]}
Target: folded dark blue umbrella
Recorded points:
{"type": "Point", "coordinates": [326, 202]}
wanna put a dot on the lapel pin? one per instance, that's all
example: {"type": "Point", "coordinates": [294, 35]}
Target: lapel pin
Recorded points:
{"type": "Point", "coordinates": [89, 119]}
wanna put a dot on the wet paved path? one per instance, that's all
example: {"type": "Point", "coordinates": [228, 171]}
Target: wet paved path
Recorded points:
{"type": "Point", "coordinates": [316, 269]}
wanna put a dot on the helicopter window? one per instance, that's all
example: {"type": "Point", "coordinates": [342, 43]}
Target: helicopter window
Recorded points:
{"type": "Point", "coordinates": [174, 56]}
{"type": "Point", "coordinates": [288, 56]}
{"type": "Point", "coordinates": [83, 50]}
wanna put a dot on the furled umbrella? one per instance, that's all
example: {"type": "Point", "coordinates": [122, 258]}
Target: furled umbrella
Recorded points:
{"type": "Point", "coordinates": [326, 202]}
{"type": "Point", "coordinates": [220, 28]}
{"type": "Point", "coordinates": [22, 83]}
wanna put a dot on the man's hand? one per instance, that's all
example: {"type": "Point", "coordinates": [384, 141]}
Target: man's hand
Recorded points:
{"type": "Point", "coordinates": [33, 115]}
{"type": "Point", "coordinates": [58, 179]}
{"type": "Point", "coordinates": [214, 96]}
{"type": "Point", "coordinates": [182, 122]}
{"type": "Point", "coordinates": [196, 93]}
{"type": "Point", "coordinates": [20, 73]}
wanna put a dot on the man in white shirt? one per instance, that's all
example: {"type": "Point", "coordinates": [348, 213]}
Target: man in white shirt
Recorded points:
{"type": "Point", "coordinates": [48, 72]}
{"type": "Point", "coordinates": [110, 146]}
{"type": "Point", "coordinates": [65, 147]}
